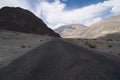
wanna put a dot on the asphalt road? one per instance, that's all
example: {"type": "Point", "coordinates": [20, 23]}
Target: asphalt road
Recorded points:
{"type": "Point", "coordinates": [60, 60]}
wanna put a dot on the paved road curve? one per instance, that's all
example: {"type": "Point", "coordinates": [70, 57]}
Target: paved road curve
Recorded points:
{"type": "Point", "coordinates": [60, 60]}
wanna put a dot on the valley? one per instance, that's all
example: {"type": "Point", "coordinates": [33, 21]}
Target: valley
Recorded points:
{"type": "Point", "coordinates": [30, 50]}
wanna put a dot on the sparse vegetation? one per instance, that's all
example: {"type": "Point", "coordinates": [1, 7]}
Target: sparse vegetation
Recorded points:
{"type": "Point", "coordinates": [110, 45]}
{"type": "Point", "coordinates": [41, 40]}
{"type": "Point", "coordinates": [16, 52]}
{"type": "Point", "coordinates": [91, 46]}
{"type": "Point", "coordinates": [117, 40]}
{"type": "Point", "coordinates": [104, 45]}
{"type": "Point", "coordinates": [109, 40]}
{"type": "Point", "coordinates": [47, 39]}
{"type": "Point", "coordinates": [86, 43]}
{"type": "Point", "coordinates": [119, 54]}
{"type": "Point", "coordinates": [77, 42]}
{"type": "Point", "coordinates": [23, 46]}
{"type": "Point", "coordinates": [16, 33]}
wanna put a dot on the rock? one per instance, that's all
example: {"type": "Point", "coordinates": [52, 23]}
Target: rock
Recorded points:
{"type": "Point", "coordinates": [20, 20]}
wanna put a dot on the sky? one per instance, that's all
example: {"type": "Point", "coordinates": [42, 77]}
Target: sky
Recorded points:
{"type": "Point", "coordinates": [56, 13]}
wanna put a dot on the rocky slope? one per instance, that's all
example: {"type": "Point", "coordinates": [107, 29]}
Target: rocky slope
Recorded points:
{"type": "Point", "coordinates": [17, 19]}
{"type": "Point", "coordinates": [106, 28]}
{"type": "Point", "coordinates": [101, 29]}
{"type": "Point", "coordinates": [72, 30]}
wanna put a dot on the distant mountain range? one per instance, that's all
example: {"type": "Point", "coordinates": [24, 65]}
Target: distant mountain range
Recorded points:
{"type": "Point", "coordinates": [20, 20]}
{"type": "Point", "coordinates": [70, 30]}
{"type": "Point", "coordinates": [101, 29]}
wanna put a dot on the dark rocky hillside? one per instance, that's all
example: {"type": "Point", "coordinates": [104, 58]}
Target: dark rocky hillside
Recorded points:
{"type": "Point", "coordinates": [18, 19]}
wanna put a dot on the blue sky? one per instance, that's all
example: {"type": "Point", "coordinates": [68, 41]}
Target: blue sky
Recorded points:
{"type": "Point", "coordinates": [70, 4]}
{"type": "Point", "coordinates": [56, 13]}
{"type": "Point", "coordinates": [73, 4]}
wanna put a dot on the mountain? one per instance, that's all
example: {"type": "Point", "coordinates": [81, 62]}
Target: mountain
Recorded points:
{"type": "Point", "coordinates": [107, 27]}
{"type": "Point", "coordinates": [18, 19]}
{"type": "Point", "coordinates": [70, 30]}
{"type": "Point", "coordinates": [101, 29]}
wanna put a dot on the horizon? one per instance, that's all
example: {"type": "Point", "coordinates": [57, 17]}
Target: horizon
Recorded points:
{"type": "Point", "coordinates": [56, 13]}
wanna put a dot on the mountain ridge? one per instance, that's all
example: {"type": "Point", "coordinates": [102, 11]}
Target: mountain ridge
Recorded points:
{"type": "Point", "coordinates": [68, 30]}
{"type": "Point", "coordinates": [99, 29]}
{"type": "Point", "coordinates": [21, 20]}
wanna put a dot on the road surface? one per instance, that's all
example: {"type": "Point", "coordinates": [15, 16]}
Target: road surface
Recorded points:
{"type": "Point", "coordinates": [60, 60]}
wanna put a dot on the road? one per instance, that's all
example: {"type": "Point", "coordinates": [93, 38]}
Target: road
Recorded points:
{"type": "Point", "coordinates": [60, 60]}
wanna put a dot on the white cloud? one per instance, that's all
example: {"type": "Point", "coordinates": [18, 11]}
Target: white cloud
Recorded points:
{"type": "Point", "coordinates": [54, 13]}
{"type": "Point", "coordinates": [115, 4]}
{"type": "Point", "coordinates": [93, 20]}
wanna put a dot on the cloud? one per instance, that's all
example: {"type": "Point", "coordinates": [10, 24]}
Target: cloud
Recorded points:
{"type": "Point", "coordinates": [54, 13]}
{"type": "Point", "coordinates": [115, 4]}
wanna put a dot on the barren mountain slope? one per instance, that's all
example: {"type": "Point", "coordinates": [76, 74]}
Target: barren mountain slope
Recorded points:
{"type": "Point", "coordinates": [103, 28]}
{"type": "Point", "coordinates": [100, 29]}
{"type": "Point", "coordinates": [18, 19]}
{"type": "Point", "coordinates": [72, 30]}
